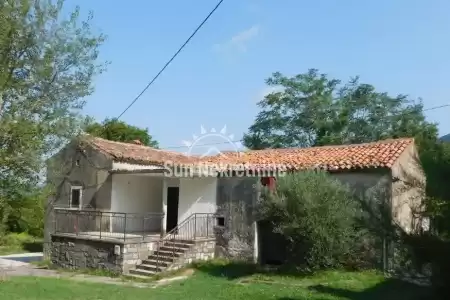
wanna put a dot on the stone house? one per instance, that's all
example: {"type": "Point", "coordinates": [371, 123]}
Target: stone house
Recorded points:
{"type": "Point", "coordinates": [135, 209]}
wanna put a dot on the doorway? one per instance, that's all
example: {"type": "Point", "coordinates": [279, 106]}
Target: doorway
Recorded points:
{"type": "Point", "coordinates": [173, 194]}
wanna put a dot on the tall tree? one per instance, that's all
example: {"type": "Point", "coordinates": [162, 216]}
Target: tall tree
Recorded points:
{"type": "Point", "coordinates": [115, 130]}
{"type": "Point", "coordinates": [47, 64]}
{"type": "Point", "coordinates": [313, 109]}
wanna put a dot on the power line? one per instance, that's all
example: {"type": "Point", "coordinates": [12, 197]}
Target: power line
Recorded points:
{"type": "Point", "coordinates": [436, 107]}
{"type": "Point", "coordinates": [171, 59]}
{"type": "Point", "coordinates": [241, 140]}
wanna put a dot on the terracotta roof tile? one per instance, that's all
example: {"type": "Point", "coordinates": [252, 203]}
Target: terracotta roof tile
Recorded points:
{"type": "Point", "coordinates": [381, 154]}
{"type": "Point", "coordinates": [137, 154]}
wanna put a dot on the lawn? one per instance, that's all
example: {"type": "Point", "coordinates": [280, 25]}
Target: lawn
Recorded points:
{"type": "Point", "coordinates": [223, 282]}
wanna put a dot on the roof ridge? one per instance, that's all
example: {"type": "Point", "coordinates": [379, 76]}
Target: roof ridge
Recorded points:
{"type": "Point", "coordinates": [385, 141]}
{"type": "Point", "coordinates": [377, 154]}
{"type": "Point", "coordinates": [135, 145]}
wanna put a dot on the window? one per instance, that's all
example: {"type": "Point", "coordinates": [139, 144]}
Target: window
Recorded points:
{"type": "Point", "coordinates": [76, 193]}
{"type": "Point", "coordinates": [221, 221]}
{"type": "Point", "coordinates": [269, 182]}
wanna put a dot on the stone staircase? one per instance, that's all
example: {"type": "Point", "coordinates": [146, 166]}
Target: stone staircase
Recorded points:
{"type": "Point", "coordinates": [164, 258]}
{"type": "Point", "coordinates": [193, 239]}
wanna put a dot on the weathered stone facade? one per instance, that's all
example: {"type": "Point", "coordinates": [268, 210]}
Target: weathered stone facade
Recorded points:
{"type": "Point", "coordinates": [201, 250]}
{"type": "Point", "coordinates": [236, 202]}
{"type": "Point", "coordinates": [83, 253]}
{"type": "Point", "coordinates": [80, 165]}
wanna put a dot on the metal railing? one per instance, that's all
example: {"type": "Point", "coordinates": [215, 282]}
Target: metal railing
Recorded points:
{"type": "Point", "coordinates": [107, 225]}
{"type": "Point", "coordinates": [196, 226]}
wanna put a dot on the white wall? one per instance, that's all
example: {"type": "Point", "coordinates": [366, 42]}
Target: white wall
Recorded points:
{"type": "Point", "coordinates": [132, 193]}
{"type": "Point", "coordinates": [197, 195]}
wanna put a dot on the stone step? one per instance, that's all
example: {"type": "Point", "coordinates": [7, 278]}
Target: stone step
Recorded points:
{"type": "Point", "coordinates": [150, 267]}
{"type": "Point", "coordinates": [156, 262]}
{"type": "Point", "coordinates": [161, 258]}
{"type": "Point", "coordinates": [177, 245]}
{"type": "Point", "coordinates": [180, 241]}
{"type": "Point", "coordinates": [166, 253]}
{"type": "Point", "coordinates": [173, 249]}
{"type": "Point", "coordinates": [142, 272]}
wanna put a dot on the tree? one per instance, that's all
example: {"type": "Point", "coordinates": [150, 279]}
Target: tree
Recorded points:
{"type": "Point", "coordinates": [312, 109]}
{"type": "Point", "coordinates": [115, 130]}
{"type": "Point", "coordinates": [47, 64]}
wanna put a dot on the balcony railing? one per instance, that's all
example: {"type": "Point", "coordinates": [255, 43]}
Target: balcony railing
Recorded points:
{"type": "Point", "coordinates": [107, 225]}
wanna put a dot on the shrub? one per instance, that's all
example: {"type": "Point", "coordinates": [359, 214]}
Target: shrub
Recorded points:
{"type": "Point", "coordinates": [26, 214]}
{"type": "Point", "coordinates": [316, 215]}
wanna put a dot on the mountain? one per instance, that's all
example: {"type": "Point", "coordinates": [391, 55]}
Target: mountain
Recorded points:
{"type": "Point", "coordinates": [445, 138]}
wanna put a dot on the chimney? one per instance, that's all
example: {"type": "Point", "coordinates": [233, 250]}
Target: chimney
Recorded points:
{"type": "Point", "coordinates": [137, 142]}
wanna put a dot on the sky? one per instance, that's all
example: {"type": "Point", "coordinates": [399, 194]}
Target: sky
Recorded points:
{"type": "Point", "coordinates": [401, 47]}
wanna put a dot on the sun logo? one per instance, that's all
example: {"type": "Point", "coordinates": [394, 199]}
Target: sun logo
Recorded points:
{"type": "Point", "coordinates": [212, 149]}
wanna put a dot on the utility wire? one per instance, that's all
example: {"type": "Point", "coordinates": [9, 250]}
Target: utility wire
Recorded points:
{"type": "Point", "coordinates": [436, 107]}
{"type": "Point", "coordinates": [171, 59]}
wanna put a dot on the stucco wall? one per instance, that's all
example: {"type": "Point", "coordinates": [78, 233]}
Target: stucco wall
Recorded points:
{"type": "Point", "coordinates": [371, 184]}
{"type": "Point", "coordinates": [408, 190]}
{"type": "Point", "coordinates": [197, 195]}
{"type": "Point", "coordinates": [136, 194]}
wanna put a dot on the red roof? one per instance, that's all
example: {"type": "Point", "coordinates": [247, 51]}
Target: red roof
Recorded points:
{"type": "Point", "coordinates": [137, 154]}
{"type": "Point", "coordinates": [381, 154]}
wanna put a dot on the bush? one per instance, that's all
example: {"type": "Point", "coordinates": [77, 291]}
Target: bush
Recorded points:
{"type": "Point", "coordinates": [26, 214]}
{"type": "Point", "coordinates": [19, 243]}
{"type": "Point", "coordinates": [316, 215]}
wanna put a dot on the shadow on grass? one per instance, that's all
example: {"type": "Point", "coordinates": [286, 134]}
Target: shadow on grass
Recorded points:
{"type": "Point", "coordinates": [391, 289]}
{"type": "Point", "coordinates": [235, 270]}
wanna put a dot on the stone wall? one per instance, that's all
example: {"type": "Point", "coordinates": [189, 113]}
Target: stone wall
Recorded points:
{"type": "Point", "coordinates": [77, 165]}
{"type": "Point", "coordinates": [236, 201]}
{"type": "Point", "coordinates": [134, 253]}
{"type": "Point", "coordinates": [72, 252]}
{"type": "Point", "coordinates": [201, 250]}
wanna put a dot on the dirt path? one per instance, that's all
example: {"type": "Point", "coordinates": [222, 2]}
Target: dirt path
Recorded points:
{"type": "Point", "coordinates": [10, 268]}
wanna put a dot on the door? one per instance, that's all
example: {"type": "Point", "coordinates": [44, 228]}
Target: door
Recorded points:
{"type": "Point", "coordinates": [272, 246]}
{"type": "Point", "coordinates": [173, 194]}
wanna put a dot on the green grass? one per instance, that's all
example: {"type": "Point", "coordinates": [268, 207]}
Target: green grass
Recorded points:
{"type": "Point", "coordinates": [223, 282]}
{"type": "Point", "coordinates": [19, 243]}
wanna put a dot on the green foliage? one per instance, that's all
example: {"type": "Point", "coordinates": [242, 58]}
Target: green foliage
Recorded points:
{"type": "Point", "coordinates": [313, 109]}
{"type": "Point", "coordinates": [436, 163]}
{"type": "Point", "coordinates": [115, 130]}
{"type": "Point", "coordinates": [317, 215]}
{"type": "Point", "coordinates": [47, 64]}
{"type": "Point", "coordinates": [334, 285]}
{"type": "Point", "coordinates": [28, 213]}
{"type": "Point", "coordinates": [18, 243]}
